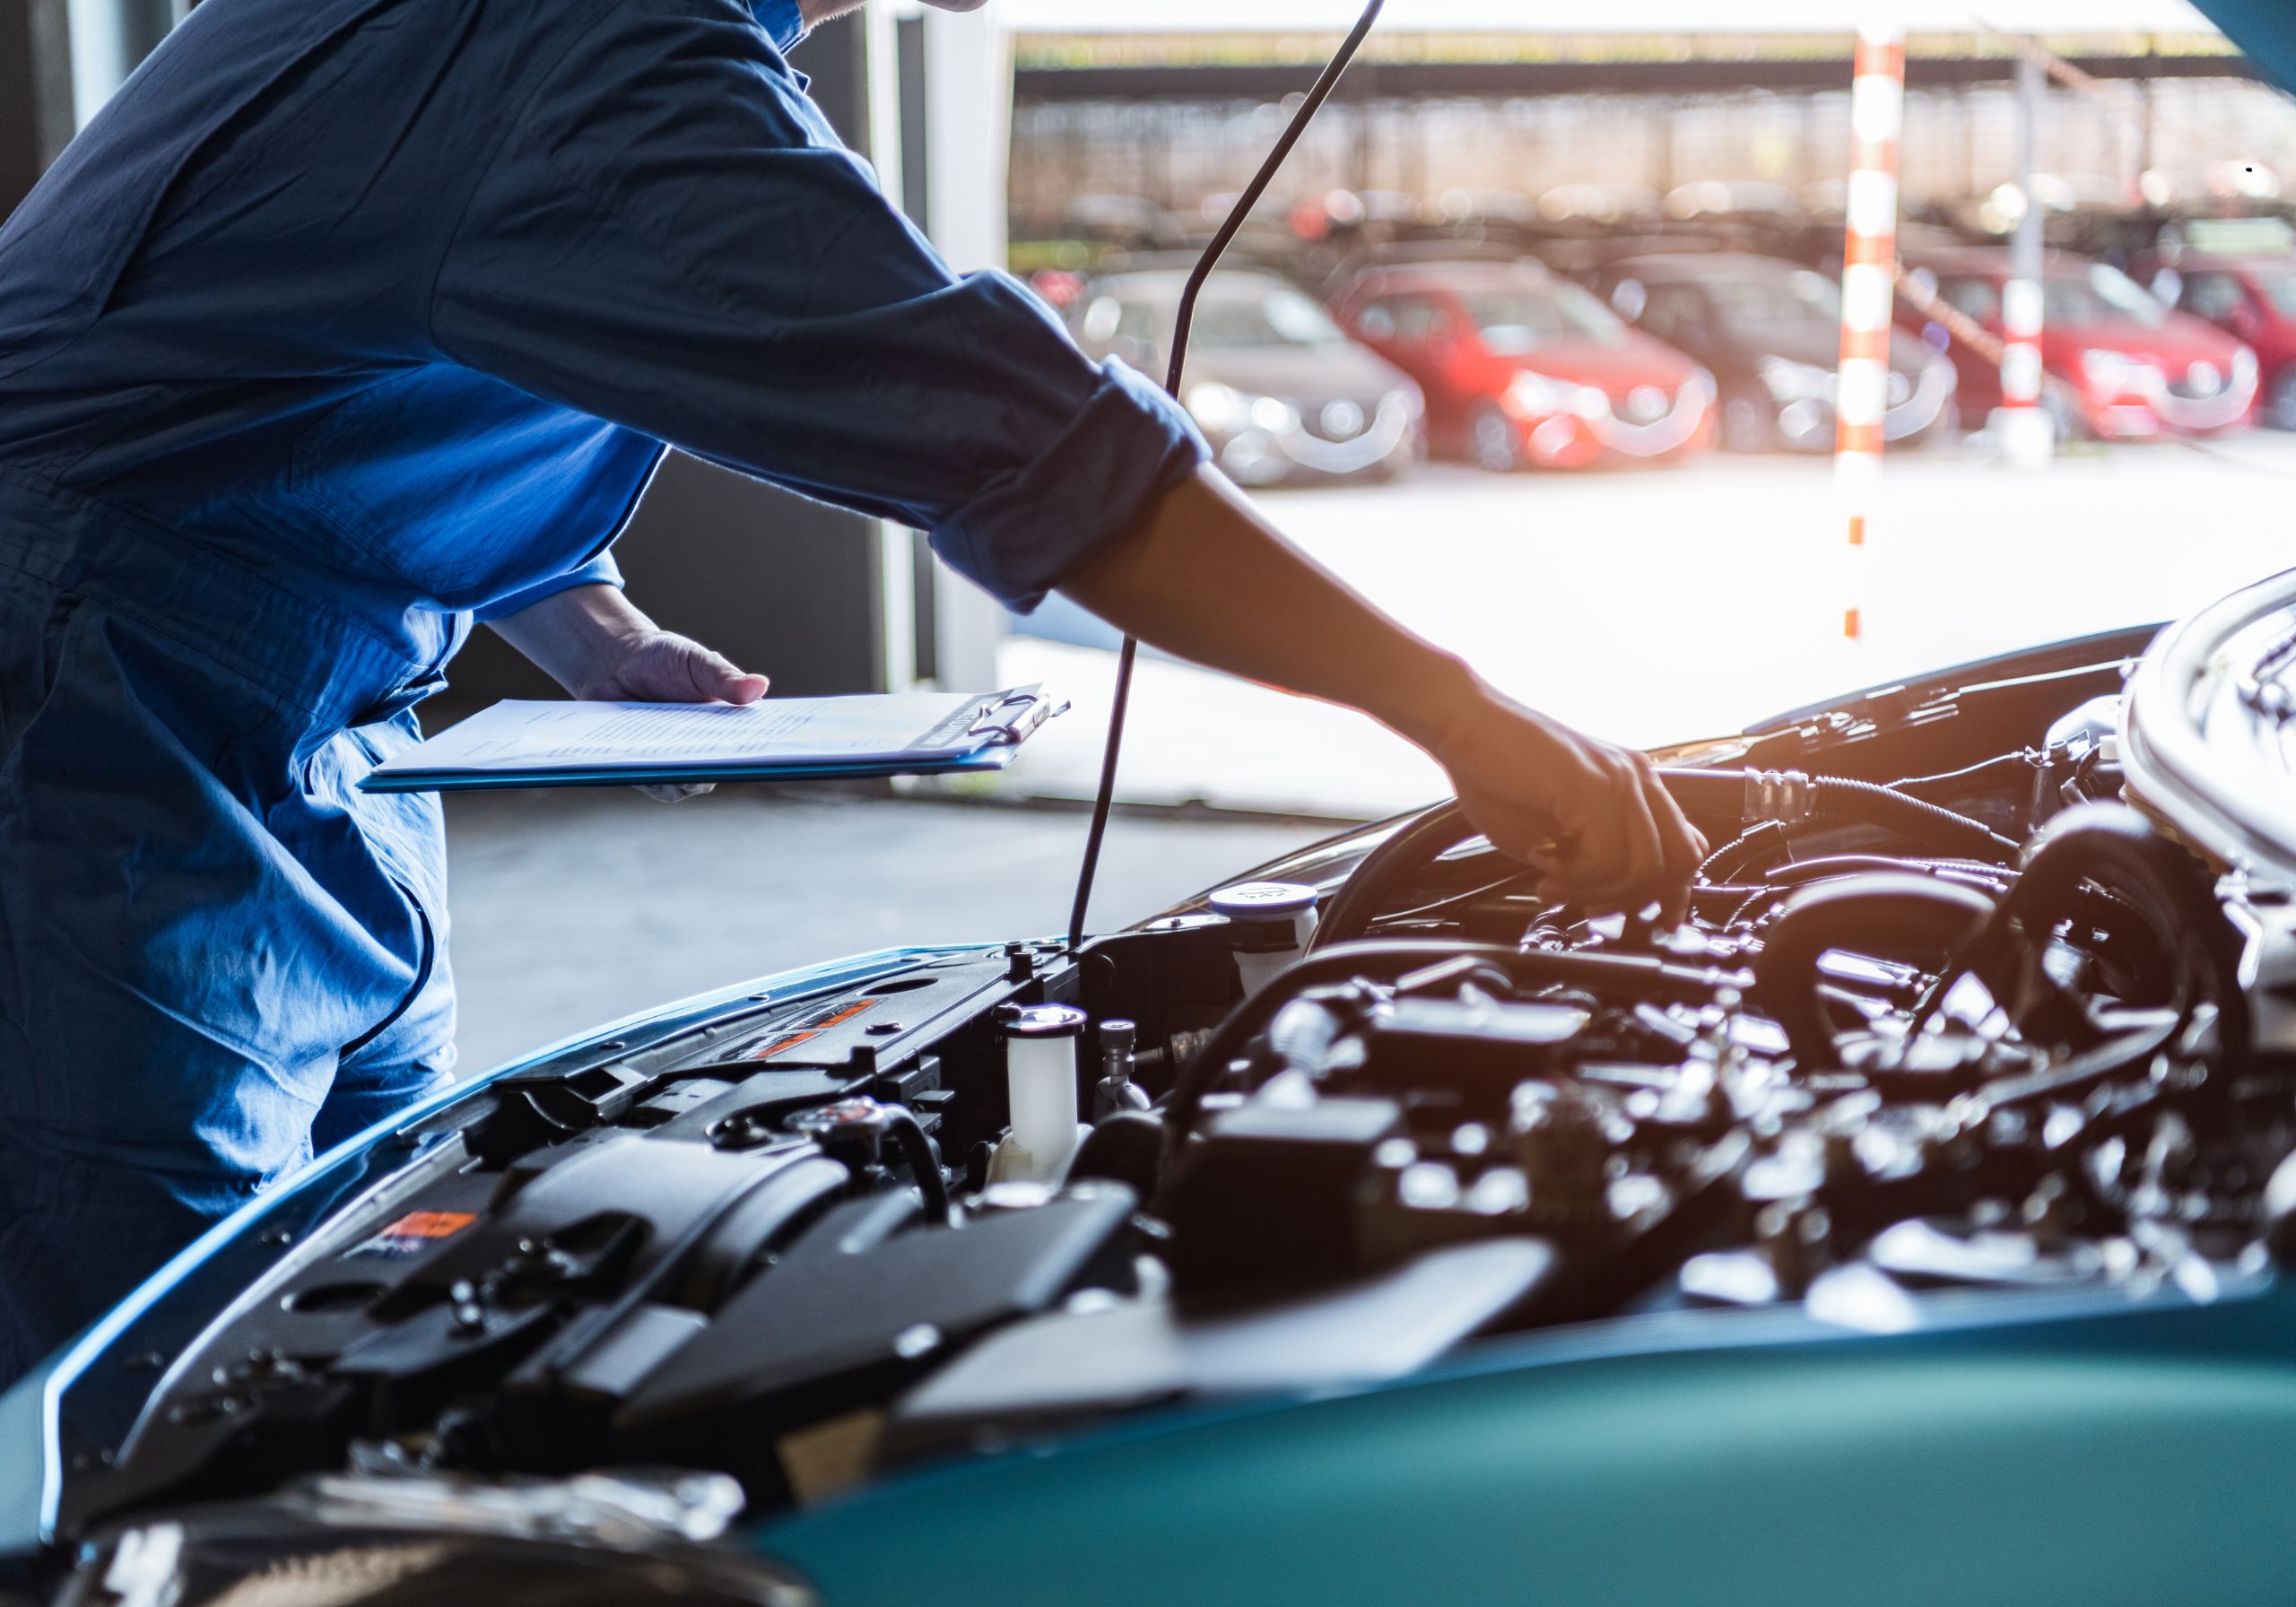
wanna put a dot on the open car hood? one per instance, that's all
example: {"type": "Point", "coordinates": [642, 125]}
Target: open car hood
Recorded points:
{"type": "Point", "coordinates": [1442, 1254]}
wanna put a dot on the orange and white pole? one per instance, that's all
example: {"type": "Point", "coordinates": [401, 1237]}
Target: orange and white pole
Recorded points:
{"type": "Point", "coordinates": [2026, 435]}
{"type": "Point", "coordinates": [1868, 271]}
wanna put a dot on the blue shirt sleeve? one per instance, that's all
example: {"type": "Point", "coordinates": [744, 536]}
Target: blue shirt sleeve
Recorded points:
{"type": "Point", "coordinates": [673, 239]}
{"type": "Point", "coordinates": [600, 570]}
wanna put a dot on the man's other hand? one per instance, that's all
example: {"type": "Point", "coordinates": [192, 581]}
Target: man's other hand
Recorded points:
{"type": "Point", "coordinates": [593, 642]}
{"type": "Point", "coordinates": [661, 666]}
{"type": "Point", "coordinates": [1593, 816]}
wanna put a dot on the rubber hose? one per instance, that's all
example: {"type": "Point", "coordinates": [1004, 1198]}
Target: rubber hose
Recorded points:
{"type": "Point", "coordinates": [1411, 848]}
{"type": "Point", "coordinates": [1419, 841]}
{"type": "Point", "coordinates": [2162, 884]}
{"type": "Point", "coordinates": [1889, 913]}
{"type": "Point", "coordinates": [1733, 856]}
{"type": "Point", "coordinates": [924, 1161]}
{"type": "Point", "coordinates": [2147, 877]}
{"type": "Point", "coordinates": [1833, 797]}
{"type": "Point", "coordinates": [1984, 769]}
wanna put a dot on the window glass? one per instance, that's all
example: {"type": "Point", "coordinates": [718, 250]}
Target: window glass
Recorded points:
{"type": "Point", "coordinates": [2097, 296]}
{"type": "Point", "coordinates": [1674, 312]}
{"type": "Point", "coordinates": [1233, 319]}
{"type": "Point", "coordinates": [1098, 323]}
{"type": "Point", "coordinates": [1518, 319]}
{"type": "Point", "coordinates": [2214, 296]}
{"type": "Point", "coordinates": [1980, 299]}
{"type": "Point", "coordinates": [1418, 320]}
{"type": "Point", "coordinates": [2279, 287]}
{"type": "Point", "coordinates": [1760, 306]}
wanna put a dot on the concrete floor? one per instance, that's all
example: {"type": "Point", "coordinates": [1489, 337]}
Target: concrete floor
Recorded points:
{"type": "Point", "coordinates": [573, 907]}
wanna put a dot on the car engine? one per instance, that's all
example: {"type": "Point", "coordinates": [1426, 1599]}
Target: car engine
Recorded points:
{"type": "Point", "coordinates": [1955, 1025]}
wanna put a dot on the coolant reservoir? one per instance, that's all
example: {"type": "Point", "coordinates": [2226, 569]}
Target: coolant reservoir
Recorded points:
{"type": "Point", "coordinates": [1270, 924]}
{"type": "Point", "coordinates": [1040, 1080]}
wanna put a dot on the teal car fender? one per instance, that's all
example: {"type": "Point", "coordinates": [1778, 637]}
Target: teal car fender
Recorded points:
{"type": "Point", "coordinates": [2130, 1454]}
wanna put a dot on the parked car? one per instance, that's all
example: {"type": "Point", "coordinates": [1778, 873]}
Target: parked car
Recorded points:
{"type": "Point", "coordinates": [1278, 388]}
{"type": "Point", "coordinates": [2253, 299]}
{"type": "Point", "coordinates": [1607, 1266]}
{"type": "Point", "coordinates": [2126, 365]}
{"type": "Point", "coordinates": [1769, 332]}
{"type": "Point", "coordinates": [1520, 368]}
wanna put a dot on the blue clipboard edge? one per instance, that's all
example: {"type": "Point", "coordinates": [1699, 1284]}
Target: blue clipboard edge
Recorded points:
{"type": "Point", "coordinates": [1005, 719]}
{"type": "Point", "coordinates": [986, 760]}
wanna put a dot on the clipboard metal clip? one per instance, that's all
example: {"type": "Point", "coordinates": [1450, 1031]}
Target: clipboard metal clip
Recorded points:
{"type": "Point", "coordinates": [1012, 718]}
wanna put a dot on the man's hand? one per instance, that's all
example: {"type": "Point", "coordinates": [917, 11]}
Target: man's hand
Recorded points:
{"type": "Point", "coordinates": [661, 666]}
{"type": "Point", "coordinates": [591, 641]}
{"type": "Point", "coordinates": [1594, 817]}
{"type": "Point", "coordinates": [1204, 575]}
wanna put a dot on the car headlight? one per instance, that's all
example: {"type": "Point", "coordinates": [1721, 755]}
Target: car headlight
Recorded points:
{"type": "Point", "coordinates": [1406, 403]}
{"type": "Point", "coordinates": [1532, 393]}
{"type": "Point", "coordinates": [2109, 371]}
{"type": "Point", "coordinates": [1219, 408]}
{"type": "Point", "coordinates": [1277, 418]}
{"type": "Point", "coordinates": [1790, 381]}
{"type": "Point", "coordinates": [1699, 387]}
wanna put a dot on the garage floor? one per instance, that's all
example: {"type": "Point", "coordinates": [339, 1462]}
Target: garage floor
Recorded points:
{"type": "Point", "coordinates": [573, 909]}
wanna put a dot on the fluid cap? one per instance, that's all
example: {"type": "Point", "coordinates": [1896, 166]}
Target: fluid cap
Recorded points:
{"type": "Point", "coordinates": [1041, 1021]}
{"type": "Point", "coordinates": [1264, 900]}
{"type": "Point", "coordinates": [1270, 924]}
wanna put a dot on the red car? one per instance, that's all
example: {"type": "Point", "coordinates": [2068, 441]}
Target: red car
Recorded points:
{"type": "Point", "coordinates": [2130, 367]}
{"type": "Point", "coordinates": [1520, 368]}
{"type": "Point", "coordinates": [2252, 298]}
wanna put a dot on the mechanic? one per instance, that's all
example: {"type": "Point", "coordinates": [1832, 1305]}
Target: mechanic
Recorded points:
{"type": "Point", "coordinates": [349, 322]}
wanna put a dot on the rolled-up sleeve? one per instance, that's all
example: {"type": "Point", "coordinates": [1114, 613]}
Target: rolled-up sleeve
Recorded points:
{"type": "Point", "coordinates": [599, 570]}
{"type": "Point", "coordinates": [675, 240]}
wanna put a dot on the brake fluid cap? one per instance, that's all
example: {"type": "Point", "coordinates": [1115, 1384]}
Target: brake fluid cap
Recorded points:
{"type": "Point", "coordinates": [1041, 1021]}
{"type": "Point", "coordinates": [1264, 900]}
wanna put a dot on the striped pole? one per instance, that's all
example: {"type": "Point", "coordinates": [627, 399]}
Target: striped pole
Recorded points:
{"type": "Point", "coordinates": [2026, 435]}
{"type": "Point", "coordinates": [1868, 266]}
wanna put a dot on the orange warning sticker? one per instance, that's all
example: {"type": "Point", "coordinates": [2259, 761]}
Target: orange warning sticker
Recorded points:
{"type": "Point", "coordinates": [840, 1017]}
{"type": "Point", "coordinates": [777, 1046]}
{"type": "Point", "coordinates": [415, 1232]}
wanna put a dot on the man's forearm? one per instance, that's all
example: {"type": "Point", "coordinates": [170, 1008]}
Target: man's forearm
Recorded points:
{"type": "Point", "coordinates": [573, 634]}
{"type": "Point", "coordinates": [1203, 575]}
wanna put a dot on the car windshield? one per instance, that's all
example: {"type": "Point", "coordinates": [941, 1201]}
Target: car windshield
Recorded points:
{"type": "Point", "coordinates": [2100, 295]}
{"type": "Point", "coordinates": [1769, 304]}
{"type": "Point", "coordinates": [1517, 320]}
{"type": "Point", "coordinates": [1236, 319]}
{"type": "Point", "coordinates": [2278, 287]}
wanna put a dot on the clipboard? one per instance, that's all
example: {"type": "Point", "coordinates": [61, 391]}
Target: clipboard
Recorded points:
{"type": "Point", "coordinates": [533, 744]}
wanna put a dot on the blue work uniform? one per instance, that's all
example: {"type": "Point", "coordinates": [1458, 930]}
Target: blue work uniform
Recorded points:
{"type": "Point", "coordinates": [348, 322]}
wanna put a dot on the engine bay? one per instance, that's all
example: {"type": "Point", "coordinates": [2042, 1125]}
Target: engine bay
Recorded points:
{"type": "Point", "coordinates": [1951, 1020]}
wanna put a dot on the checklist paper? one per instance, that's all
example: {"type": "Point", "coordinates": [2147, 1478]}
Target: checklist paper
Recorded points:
{"type": "Point", "coordinates": [521, 744]}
